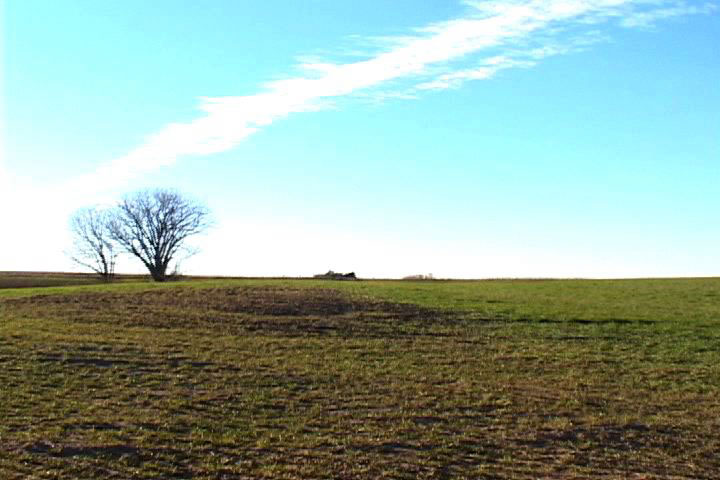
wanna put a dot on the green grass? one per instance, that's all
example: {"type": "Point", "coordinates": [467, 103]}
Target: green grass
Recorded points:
{"type": "Point", "coordinates": [318, 379]}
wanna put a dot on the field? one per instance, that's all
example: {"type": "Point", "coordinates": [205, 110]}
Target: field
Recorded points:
{"type": "Point", "coordinates": [281, 379]}
{"type": "Point", "coordinates": [47, 279]}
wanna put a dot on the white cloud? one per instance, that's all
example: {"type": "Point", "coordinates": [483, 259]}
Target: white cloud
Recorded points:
{"type": "Point", "coordinates": [487, 70]}
{"type": "Point", "coordinates": [648, 18]}
{"type": "Point", "coordinates": [436, 56]}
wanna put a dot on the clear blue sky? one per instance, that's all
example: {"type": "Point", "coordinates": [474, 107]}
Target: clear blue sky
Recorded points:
{"type": "Point", "coordinates": [464, 139]}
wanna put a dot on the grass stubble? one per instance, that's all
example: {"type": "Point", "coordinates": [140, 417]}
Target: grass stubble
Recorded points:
{"type": "Point", "coordinates": [303, 379]}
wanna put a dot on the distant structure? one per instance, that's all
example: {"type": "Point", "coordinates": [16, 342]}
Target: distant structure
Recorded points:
{"type": "Point", "coordinates": [330, 275]}
{"type": "Point", "coordinates": [429, 276]}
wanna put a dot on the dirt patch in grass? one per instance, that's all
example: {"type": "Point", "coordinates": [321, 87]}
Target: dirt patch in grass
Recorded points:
{"type": "Point", "coordinates": [287, 311]}
{"type": "Point", "coordinates": [249, 300]}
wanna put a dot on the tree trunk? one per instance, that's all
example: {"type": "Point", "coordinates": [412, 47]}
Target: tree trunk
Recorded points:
{"type": "Point", "coordinates": [158, 274]}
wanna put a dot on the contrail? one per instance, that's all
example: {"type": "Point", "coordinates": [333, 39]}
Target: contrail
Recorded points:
{"type": "Point", "coordinates": [490, 37]}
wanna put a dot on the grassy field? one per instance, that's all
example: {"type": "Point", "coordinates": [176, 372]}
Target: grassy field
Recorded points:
{"type": "Point", "coordinates": [230, 379]}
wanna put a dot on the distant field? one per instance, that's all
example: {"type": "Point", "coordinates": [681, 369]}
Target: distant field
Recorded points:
{"type": "Point", "coordinates": [299, 379]}
{"type": "Point", "coordinates": [43, 279]}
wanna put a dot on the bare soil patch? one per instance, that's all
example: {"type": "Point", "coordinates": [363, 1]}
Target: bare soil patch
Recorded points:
{"type": "Point", "coordinates": [289, 311]}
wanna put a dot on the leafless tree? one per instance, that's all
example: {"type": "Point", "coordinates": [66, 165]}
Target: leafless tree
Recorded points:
{"type": "Point", "coordinates": [153, 225]}
{"type": "Point", "coordinates": [92, 243]}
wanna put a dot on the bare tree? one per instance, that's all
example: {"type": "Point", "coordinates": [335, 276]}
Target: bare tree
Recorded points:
{"type": "Point", "coordinates": [153, 225]}
{"type": "Point", "coordinates": [92, 243]}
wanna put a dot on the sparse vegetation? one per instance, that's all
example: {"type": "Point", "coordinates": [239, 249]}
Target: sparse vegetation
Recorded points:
{"type": "Point", "coordinates": [292, 379]}
{"type": "Point", "coordinates": [93, 247]}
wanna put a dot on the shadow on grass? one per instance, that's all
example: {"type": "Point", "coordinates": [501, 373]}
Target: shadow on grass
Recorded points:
{"type": "Point", "coordinates": [105, 451]}
{"type": "Point", "coordinates": [633, 436]}
{"type": "Point", "coordinates": [584, 321]}
{"type": "Point", "coordinates": [92, 362]}
{"type": "Point", "coordinates": [122, 453]}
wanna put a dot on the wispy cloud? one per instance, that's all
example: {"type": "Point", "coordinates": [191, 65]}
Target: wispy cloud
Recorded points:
{"type": "Point", "coordinates": [487, 69]}
{"type": "Point", "coordinates": [650, 17]}
{"type": "Point", "coordinates": [490, 37]}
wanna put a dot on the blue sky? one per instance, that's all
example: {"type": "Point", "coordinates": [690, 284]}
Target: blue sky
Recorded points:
{"type": "Point", "coordinates": [574, 138]}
